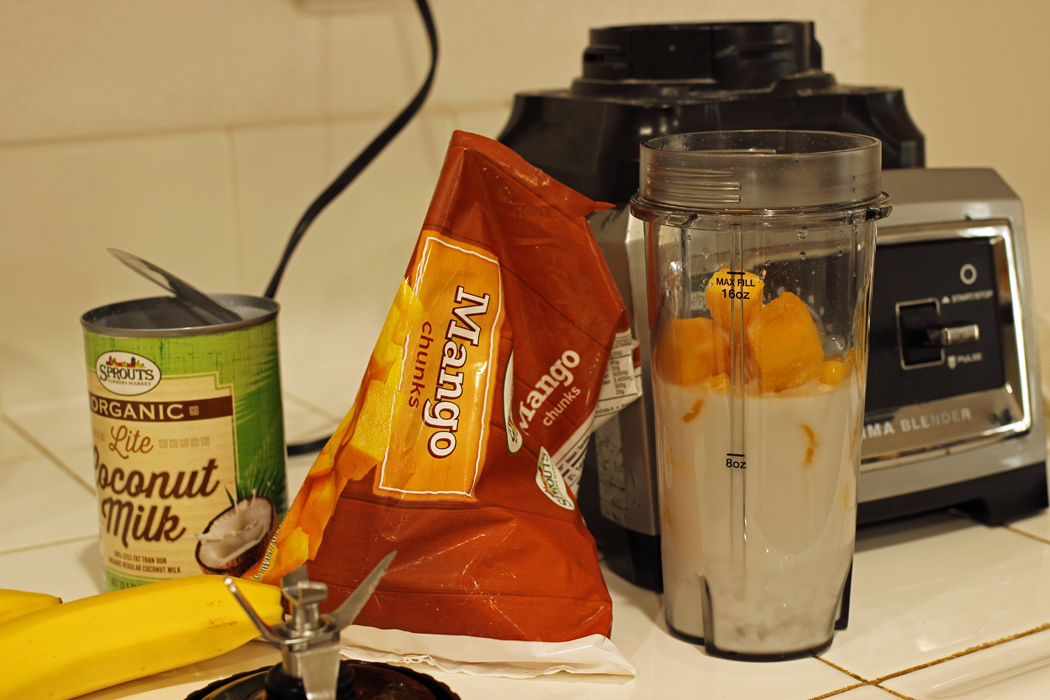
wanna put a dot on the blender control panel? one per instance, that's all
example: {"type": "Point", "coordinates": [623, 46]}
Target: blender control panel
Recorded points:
{"type": "Point", "coordinates": [943, 362]}
{"type": "Point", "coordinates": [935, 322]}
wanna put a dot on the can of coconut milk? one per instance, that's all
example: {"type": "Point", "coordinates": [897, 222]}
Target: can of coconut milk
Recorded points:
{"type": "Point", "coordinates": [189, 455]}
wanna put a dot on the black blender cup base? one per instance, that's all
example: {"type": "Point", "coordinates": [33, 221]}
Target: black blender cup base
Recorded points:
{"type": "Point", "coordinates": [712, 650]}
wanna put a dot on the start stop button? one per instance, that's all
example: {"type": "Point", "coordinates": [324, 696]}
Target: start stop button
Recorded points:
{"type": "Point", "coordinates": [914, 320]}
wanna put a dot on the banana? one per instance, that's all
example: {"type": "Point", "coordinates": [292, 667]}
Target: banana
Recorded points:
{"type": "Point", "coordinates": [81, 646]}
{"type": "Point", "coordinates": [15, 603]}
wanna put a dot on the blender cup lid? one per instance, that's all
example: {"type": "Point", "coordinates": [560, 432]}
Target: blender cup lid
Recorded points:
{"type": "Point", "coordinates": [773, 169]}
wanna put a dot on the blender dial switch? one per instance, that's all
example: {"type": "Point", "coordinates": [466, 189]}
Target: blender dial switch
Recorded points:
{"type": "Point", "coordinates": [956, 335]}
{"type": "Point", "coordinates": [923, 334]}
{"type": "Point", "coordinates": [915, 323]}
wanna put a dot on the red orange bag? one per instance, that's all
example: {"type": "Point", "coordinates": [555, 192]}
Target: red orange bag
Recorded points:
{"type": "Point", "coordinates": [485, 379]}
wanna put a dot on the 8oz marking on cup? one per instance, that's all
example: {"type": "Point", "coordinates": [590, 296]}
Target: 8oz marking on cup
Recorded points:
{"type": "Point", "coordinates": [735, 464]}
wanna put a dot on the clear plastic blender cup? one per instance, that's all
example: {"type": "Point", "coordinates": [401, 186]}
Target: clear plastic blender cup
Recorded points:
{"type": "Point", "coordinates": [759, 252]}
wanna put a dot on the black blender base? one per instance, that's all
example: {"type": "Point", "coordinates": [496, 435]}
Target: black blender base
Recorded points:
{"type": "Point", "coordinates": [993, 500]}
{"type": "Point", "coordinates": [358, 680]}
{"type": "Point", "coordinates": [631, 555]}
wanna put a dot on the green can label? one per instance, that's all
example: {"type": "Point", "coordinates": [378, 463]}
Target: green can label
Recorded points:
{"type": "Point", "coordinates": [188, 450]}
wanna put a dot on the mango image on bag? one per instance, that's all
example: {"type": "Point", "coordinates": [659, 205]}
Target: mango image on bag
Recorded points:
{"type": "Point", "coordinates": [359, 450]}
{"type": "Point", "coordinates": [438, 337]}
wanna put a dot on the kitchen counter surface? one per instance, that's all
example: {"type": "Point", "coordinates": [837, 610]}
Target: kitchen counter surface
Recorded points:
{"type": "Point", "coordinates": [942, 607]}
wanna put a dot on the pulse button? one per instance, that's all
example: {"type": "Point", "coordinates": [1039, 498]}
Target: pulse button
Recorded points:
{"type": "Point", "coordinates": [923, 333]}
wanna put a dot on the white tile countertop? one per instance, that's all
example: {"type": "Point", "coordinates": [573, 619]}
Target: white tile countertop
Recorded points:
{"type": "Point", "coordinates": [942, 607]}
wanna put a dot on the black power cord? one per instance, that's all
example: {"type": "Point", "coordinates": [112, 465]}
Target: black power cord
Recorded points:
{"type": "Point", "coordinates": [349, 175]}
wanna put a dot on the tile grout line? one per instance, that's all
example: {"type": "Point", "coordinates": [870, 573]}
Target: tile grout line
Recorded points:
{"type": "Point", "coordinates": [840, 691]}
{"type": "Point", "coordinates": [51, 456]}
{"type": "Point", "coordinates": [848, 688]}
{"type": "Point", "coordinates": [965, 652]}
{"type": "Point", "coordinates": [54, 543]}
{"type": "Point", "coordinates": [312, 407]}
{"type": "Point", "coordinates": [862, 683]}
{"type": "Point", "coordinates": [280, 122]}
{"type": "Point", "coordinates": [326, 66]}
{"type": "Point", "coordinates": [1037, 538]}
{"type": "Point", "coordinates": [1010, 528]}
{"type": "Point", "coordinates": [902, 696]}
{"type": "Point", "coordinates": [230, 146]}
{"type": "Point", "coordinates": [851, 674]}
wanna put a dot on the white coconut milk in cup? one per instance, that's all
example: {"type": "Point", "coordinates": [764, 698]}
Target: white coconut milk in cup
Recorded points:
{"type": "Point", "coordinates": [189, 455]}
{"type": "Point", "coordinates": [759, 252]}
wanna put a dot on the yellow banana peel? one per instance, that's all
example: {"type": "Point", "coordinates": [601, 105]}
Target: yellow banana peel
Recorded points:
{"type": "Point", "coordinates": [84, 645]}
{"type": "Point", "coordinates": [15, 603]}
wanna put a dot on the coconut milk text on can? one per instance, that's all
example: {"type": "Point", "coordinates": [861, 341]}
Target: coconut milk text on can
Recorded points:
{"type": "Point", "coordinates": [188, 432]}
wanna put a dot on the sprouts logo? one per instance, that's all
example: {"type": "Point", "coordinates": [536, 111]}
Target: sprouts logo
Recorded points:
{"type": "Point", "coordinates": [126, 374]}
{"type": "Point", "coordinates": [550, 481]}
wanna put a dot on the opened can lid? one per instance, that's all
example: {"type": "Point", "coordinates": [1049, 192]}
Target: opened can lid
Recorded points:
{"type": "Point", "coordinates": [166, 317]}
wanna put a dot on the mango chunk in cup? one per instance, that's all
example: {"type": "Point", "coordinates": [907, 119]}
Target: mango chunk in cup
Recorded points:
{"type": "Point", "coordinates": [835, 370]}
{"type": "Point", "coordinates": [691, 350]}
{"type": "Point", "coordinates": [784, 348]}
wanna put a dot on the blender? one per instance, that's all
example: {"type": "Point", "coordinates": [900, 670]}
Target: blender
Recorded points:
{"type": "Point", "coordinates": [638, 82]}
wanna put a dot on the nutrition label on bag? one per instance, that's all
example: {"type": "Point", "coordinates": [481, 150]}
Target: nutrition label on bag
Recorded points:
{"type": "Point", "coordinates": [622, 383]}
{"type": "Point", "coordinates": [620, 386]}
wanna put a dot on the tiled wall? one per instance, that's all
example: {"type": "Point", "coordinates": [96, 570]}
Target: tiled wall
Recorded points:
{"type": "Point", "coordinates": [975, 77]}
{"type": "Point", "coordinates": [195, 132]}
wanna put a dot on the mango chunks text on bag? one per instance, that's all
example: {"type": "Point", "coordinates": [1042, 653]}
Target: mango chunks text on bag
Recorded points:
{"type": "Point", "coordinates": [486, 374]}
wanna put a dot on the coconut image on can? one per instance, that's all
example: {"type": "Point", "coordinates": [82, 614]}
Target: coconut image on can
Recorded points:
{"type": "Point", "coordinates": [188, 432]}
{"type": "Point", "coordinates": [236, 538]}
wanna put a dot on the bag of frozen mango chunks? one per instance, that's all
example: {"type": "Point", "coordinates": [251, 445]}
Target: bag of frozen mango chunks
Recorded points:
{"type": "Point", "coordinates": [486, 378]}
